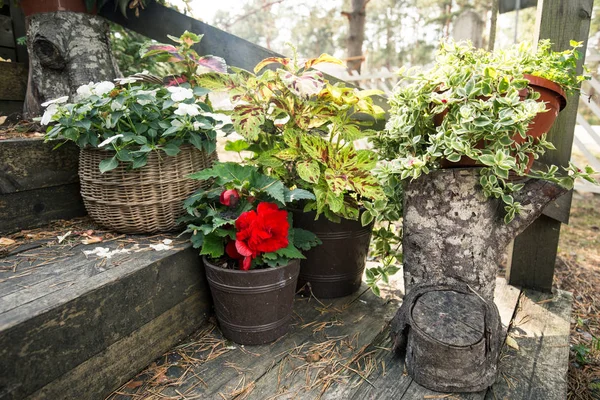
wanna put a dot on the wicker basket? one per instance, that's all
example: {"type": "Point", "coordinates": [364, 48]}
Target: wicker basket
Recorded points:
{"type": "Point", "coordinates": [145, 200]}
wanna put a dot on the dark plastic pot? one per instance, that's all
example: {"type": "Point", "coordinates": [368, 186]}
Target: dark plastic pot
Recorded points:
{"type": "Point", "coordinates": [335, 268]}
{"type": "Point", "coordinates": [550, 93]}
{"type": "Point", "coordinates": [253, 307]}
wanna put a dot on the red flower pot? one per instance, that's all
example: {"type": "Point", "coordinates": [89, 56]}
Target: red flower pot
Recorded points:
{"type": "Point", "coordinates": [31, 7]}
{"type": "Point", "coordinates": [550, 93]}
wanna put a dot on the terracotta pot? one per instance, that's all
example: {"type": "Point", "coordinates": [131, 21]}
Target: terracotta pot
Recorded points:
{"type": "Point", "coordinates": [253, 307]}
{"type": "Point", "coordinates": [550, 93]}
{"type": "Point", "coordinates": [31, 7]}
{"type": "Point", "coordinates": [334, 268]}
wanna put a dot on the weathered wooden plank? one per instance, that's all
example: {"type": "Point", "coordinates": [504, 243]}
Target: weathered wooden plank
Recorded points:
{"type": "Point", "coordinates": [389, 378]}
{"type": "Point", "coordinates": [18, 21]}
{"type": "Point", "coordinates": [12, 109]}
{"type": "Point", "coordinates": [32, 164]}
{"type": "Point", "coordinates": [104, 372]}
{"type": "Point", "coordinates": [159, 21]}
{"type": "Point", "coordinates": [538, 370]}
{"type": "Point", "coordinates": [13, 78]}
{"type": "Point", "coordinates": [560, 21]}
{"type": "Point", "coordinates": [534, 255]}
{"type": "Point", "coordinates": [6, 32]}
{"type": "Point", "coordinates": [354, 330]}
{"type": "Point", "coordinates": [33, 208]}
{"type": "Point", "coordinates": [44, 339]}
{"type": "Point", "coordinates": [7, 53]}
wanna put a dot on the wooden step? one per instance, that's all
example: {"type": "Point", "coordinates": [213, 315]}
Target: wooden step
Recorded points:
{"type": "Point", "coordinates": [340, 349]}
{"type": "Point", "coordinates": [30, 195]}
{"type": "Point", "coordinates": [84, 324]}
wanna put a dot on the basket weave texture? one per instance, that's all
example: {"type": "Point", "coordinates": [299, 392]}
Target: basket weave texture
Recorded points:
{"type": "Point", "coordinates": [144, 200]}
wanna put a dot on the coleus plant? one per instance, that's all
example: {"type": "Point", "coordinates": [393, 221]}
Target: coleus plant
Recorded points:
{"type": "Point", "coordinates": [301, 129]}
{"type": "Point", "coordinates": [184, 58]}
{"type": "Point", "coordinates": [240, 218]}
{"type": "Point", "coordinates": [477, 96]}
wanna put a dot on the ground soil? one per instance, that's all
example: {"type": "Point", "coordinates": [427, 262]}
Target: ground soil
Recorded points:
{"type": "Point", "coordinates": [578, 271]}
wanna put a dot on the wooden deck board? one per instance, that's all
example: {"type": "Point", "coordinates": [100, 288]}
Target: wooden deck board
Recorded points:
{"type": "Point", "coordinates": [71, 312]}
{"type": "Point", "coordinates": [538, 370]}
{"type": "Point", "coordinates": [282, 371]}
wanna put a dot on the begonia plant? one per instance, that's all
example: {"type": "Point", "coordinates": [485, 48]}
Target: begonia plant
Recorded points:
{"type": "Point", "coordinates": [240, 221]}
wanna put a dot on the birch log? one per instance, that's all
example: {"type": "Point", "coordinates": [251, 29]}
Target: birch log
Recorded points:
{"type": "Point", "coordinates": [66, 50]}
{"type": "Point", "coordinates": [454, 234]}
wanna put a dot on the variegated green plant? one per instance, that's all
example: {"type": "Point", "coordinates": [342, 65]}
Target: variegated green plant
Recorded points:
{"type": "Point", "coordinates": [469, 106]}
{"type": "Point", "coordinates": [301, 129]}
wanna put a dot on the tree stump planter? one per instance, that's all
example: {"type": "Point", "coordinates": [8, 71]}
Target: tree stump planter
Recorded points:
{"type": "Point", "coordinates": [66, 50]}
{"type": "Point", "coordinates": [453, 241]}
{"type": "Point", "coordinates": [334, 268]}
{"type": "Point", "coordinates": [451, 338]}
{"type": "Point", "coordinates": [454, 234]}
{"type": "Point", "coordinates": [253, 307]}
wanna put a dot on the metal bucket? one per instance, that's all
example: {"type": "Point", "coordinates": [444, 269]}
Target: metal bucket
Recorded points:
{"type": "Point", "coordinates": [335, 268]}
{"type": "Point", "coordinates": [253, 307]}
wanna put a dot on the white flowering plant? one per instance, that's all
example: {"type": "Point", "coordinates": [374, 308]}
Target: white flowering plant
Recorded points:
{"type": "Point", "coordinates": [131, 119]}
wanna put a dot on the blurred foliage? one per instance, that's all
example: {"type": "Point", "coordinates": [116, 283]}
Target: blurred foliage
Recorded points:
{"type": "Point", "coordinates": [126, 47]}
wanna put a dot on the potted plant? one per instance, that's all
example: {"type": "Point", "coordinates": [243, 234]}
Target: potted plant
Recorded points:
{"type": "Point", "coordinates": [301, 129]}
{"type": "Point", "coordinates": [138, 144]}
{"type": "Point", "coordinates": [250, 249]}
{"type": "Point", "coordinates": [476, 108]}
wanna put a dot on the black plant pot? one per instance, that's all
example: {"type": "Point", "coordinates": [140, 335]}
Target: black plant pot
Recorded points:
{"type": "Point", "coordinates": [253, 307]}
{"type": "Point", "coordinates": [335, 268]}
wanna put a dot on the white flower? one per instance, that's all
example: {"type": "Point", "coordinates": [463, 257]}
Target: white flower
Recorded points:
{"type": "Point", "coordinates": [49, 113]}
{"type": "Point", "coordinates": [196, 125]}
{"type": "Point", "coordinates": [103, 88]}
{"type": "Point", "coordinates": [115, 106]}
{"type": "Point", "coordinates": [129, 79]}
{"type": "Point", "coordinates": [187, 109]}
{"type": "Point", "coordinates": [179, 93]}
{"type": "Point", "coordinates": [56, 101]}
{"type": "Point", "coordinates": [151, 93]}
{"type": "Point", "coordinates": [85, 91]}
{"type": "Point", "coordinates": [110, 140]}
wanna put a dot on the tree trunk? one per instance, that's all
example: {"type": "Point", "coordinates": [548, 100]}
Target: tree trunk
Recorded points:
{"type": "Point", "coordinates": [454, 234]}
{"type": "Point", "coordinates": [356, 33]}
{"type": "Point", "coordinates": [66, 50]}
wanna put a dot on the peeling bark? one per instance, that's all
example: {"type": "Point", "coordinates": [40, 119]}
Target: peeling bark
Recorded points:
{"type": "Point", "coordinates": [454, 234]}
{"type": "Point", "coordinates": [66, 50]}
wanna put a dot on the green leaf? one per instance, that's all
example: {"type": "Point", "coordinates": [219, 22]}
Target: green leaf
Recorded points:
{"type": "Point", "coordinates": [304, 239]}
{"type": "Point", "coordinates": [213, 246]}
{"type": "Point", "coordinates": [171, 149]}
{"type": "Point", "coordinates": [366, 218]}
{"type": "Point", "coordinates": [109, 164]}
{"type": "Point", "coordinates": [290, 252]}
{"type": "Point", "coordinates": [196, 140]}
{"type": "Point", "coordinates": [297, 194]}
{"type": "Point", "coordinates": [237, 146]}
{"type": "Point", "coordinates": [309, 171]}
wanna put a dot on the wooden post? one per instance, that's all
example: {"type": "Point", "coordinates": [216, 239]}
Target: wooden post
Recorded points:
{"type": "Point", "coordinates": [534, 251]}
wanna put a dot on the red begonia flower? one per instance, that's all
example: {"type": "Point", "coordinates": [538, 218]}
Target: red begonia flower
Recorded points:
{"type": "Point", "coordinates": [262, 231]}
{"type": "Point", "coordinates": [229, 198]}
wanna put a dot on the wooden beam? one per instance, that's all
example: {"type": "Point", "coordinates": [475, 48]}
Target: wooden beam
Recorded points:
{"type": "Point", "coordinates": [19, 30]}
{"type": "Point", "coordinates": [534, 253]}
{"type": "Point", "coordinates": [13, 80]}
{"type": "Point", "coordinates": [158, 21]}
